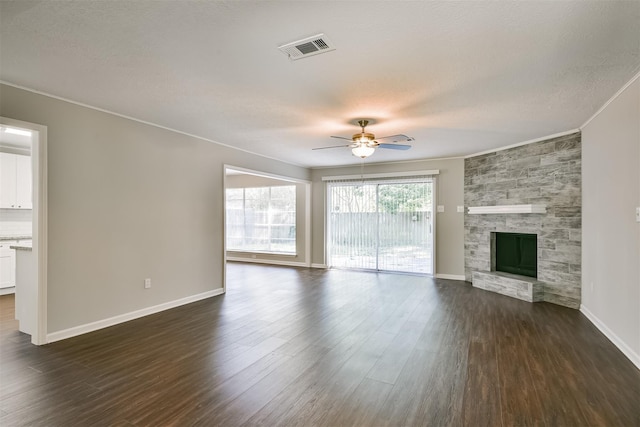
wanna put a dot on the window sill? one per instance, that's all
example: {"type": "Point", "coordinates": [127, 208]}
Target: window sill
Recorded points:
{"type": "Point", "coordinates": [250, 253]}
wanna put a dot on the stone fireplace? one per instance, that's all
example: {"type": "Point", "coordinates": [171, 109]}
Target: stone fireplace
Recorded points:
{"type": "Point", "coordinates": [532, 189]}
{"type": "Point", "coordinates": [514, 261]}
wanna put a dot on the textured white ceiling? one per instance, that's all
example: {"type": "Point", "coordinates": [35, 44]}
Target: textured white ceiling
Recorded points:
{"type": "Point", "coordinates": [459, 77]}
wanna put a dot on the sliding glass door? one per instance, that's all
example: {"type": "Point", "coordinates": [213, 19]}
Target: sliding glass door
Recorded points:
{"type": "Point", "coordinates": [381, 224]}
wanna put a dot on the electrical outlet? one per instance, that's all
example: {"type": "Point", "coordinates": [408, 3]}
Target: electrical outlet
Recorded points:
{"type": "Point", "coordinates": [637, 214]}
{"type": "Point", "coordinates": [461, 209]}
{"type": "Point", "coordinates": [440, 208]}
{"type": "Point", "coordinates": [147, 283]}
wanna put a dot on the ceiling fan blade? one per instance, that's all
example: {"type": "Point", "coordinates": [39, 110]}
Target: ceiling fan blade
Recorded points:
{"type": "Point", "coordinates": [395, 146]}
{"type": "Point", "coordinates": [341, 137]}
{"type": "Point", "coordinates": [398, 138]}
{"type": "Point", "coordinates": [333, 146]}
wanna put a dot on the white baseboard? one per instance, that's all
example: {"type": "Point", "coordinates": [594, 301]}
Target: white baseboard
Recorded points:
{"type": "Point", "coordinates": [450, 276]}
{"type": "Point", "coordinates": [325, 266]}
{"type": "Point", "coordinates": [111, 321]}
{"type": "Point", "coordinates": [624, 348]}
{"type": "Point", "coordinates": [8, 291]}
{"type": "Point", "coordinates": [268, 261]}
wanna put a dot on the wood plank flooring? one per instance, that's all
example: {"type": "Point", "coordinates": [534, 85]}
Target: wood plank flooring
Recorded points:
{"type": "Point", "coordinates": [289, 346]}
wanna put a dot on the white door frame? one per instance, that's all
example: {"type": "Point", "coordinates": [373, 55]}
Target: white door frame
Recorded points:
{"type": "Point", "coordinates": [39, 221]}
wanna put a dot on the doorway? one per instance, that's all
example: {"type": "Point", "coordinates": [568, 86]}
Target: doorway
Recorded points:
{"type": "Point", "coordinates": [381, 224]}
{"type": "Point", "coordinates": [33, 294]}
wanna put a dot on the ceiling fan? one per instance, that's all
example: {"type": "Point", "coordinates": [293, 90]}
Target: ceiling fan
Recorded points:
{"type": "Point", "coordinates": [363, 144]}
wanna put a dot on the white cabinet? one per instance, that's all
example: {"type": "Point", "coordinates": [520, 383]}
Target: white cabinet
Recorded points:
{"type": "Point", "coordinates": [23, 182]}
{"type": "Point", "coordinates": [7, 264]}
{"type": "Point", "coordinates": [15, 181]}
{"type": "Point", "coordinates": [8, 180]}
{"type": "Point", "coordinates": [26, 292]}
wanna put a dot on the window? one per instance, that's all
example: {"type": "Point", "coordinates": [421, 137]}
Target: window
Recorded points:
{"type": "Point", "coordinates": [262, 219]}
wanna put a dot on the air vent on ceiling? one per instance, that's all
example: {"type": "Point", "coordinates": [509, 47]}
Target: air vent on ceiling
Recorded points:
{"type": "Point", "coordinates": [309, 46]}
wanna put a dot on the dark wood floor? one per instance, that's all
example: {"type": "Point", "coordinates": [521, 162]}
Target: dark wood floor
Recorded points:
{"type": "Point", "coordinates": [291, 346]}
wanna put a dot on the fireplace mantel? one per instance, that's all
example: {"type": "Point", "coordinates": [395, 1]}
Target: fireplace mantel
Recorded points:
{"type": "Point", "coordinates": [507, 209]}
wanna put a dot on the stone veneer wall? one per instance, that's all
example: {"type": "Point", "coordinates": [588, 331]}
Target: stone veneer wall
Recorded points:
{"type": "Point", "coordinates": [546, 172]}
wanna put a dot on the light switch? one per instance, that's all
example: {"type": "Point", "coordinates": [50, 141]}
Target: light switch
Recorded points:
{"type": "Point", "coordinates": [461, 209]}
{"type": "Point", "coordinates": [440, 208]}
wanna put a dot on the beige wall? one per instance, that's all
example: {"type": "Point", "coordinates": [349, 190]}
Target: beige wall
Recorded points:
{"type": "Point", "coordinates": [449, 224]}
{"type": "Point", "coordinates": [128, 201]}
{"type": "Point", "coordinates": [300, 259]}
{"type": "Point", "coordinates": [611, 236]}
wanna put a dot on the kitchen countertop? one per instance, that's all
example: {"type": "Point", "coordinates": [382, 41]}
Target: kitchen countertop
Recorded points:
{"type": "Point", "coordinates": [17, 237]}
{"type": "Point", "coordinates": [22, 247]}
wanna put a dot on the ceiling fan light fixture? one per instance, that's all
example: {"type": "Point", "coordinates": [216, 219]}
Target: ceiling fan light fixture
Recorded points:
{"type": "Point", "coordinates": [363, 151]}
{"type": "Point", "coordinates": [363, 137]}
